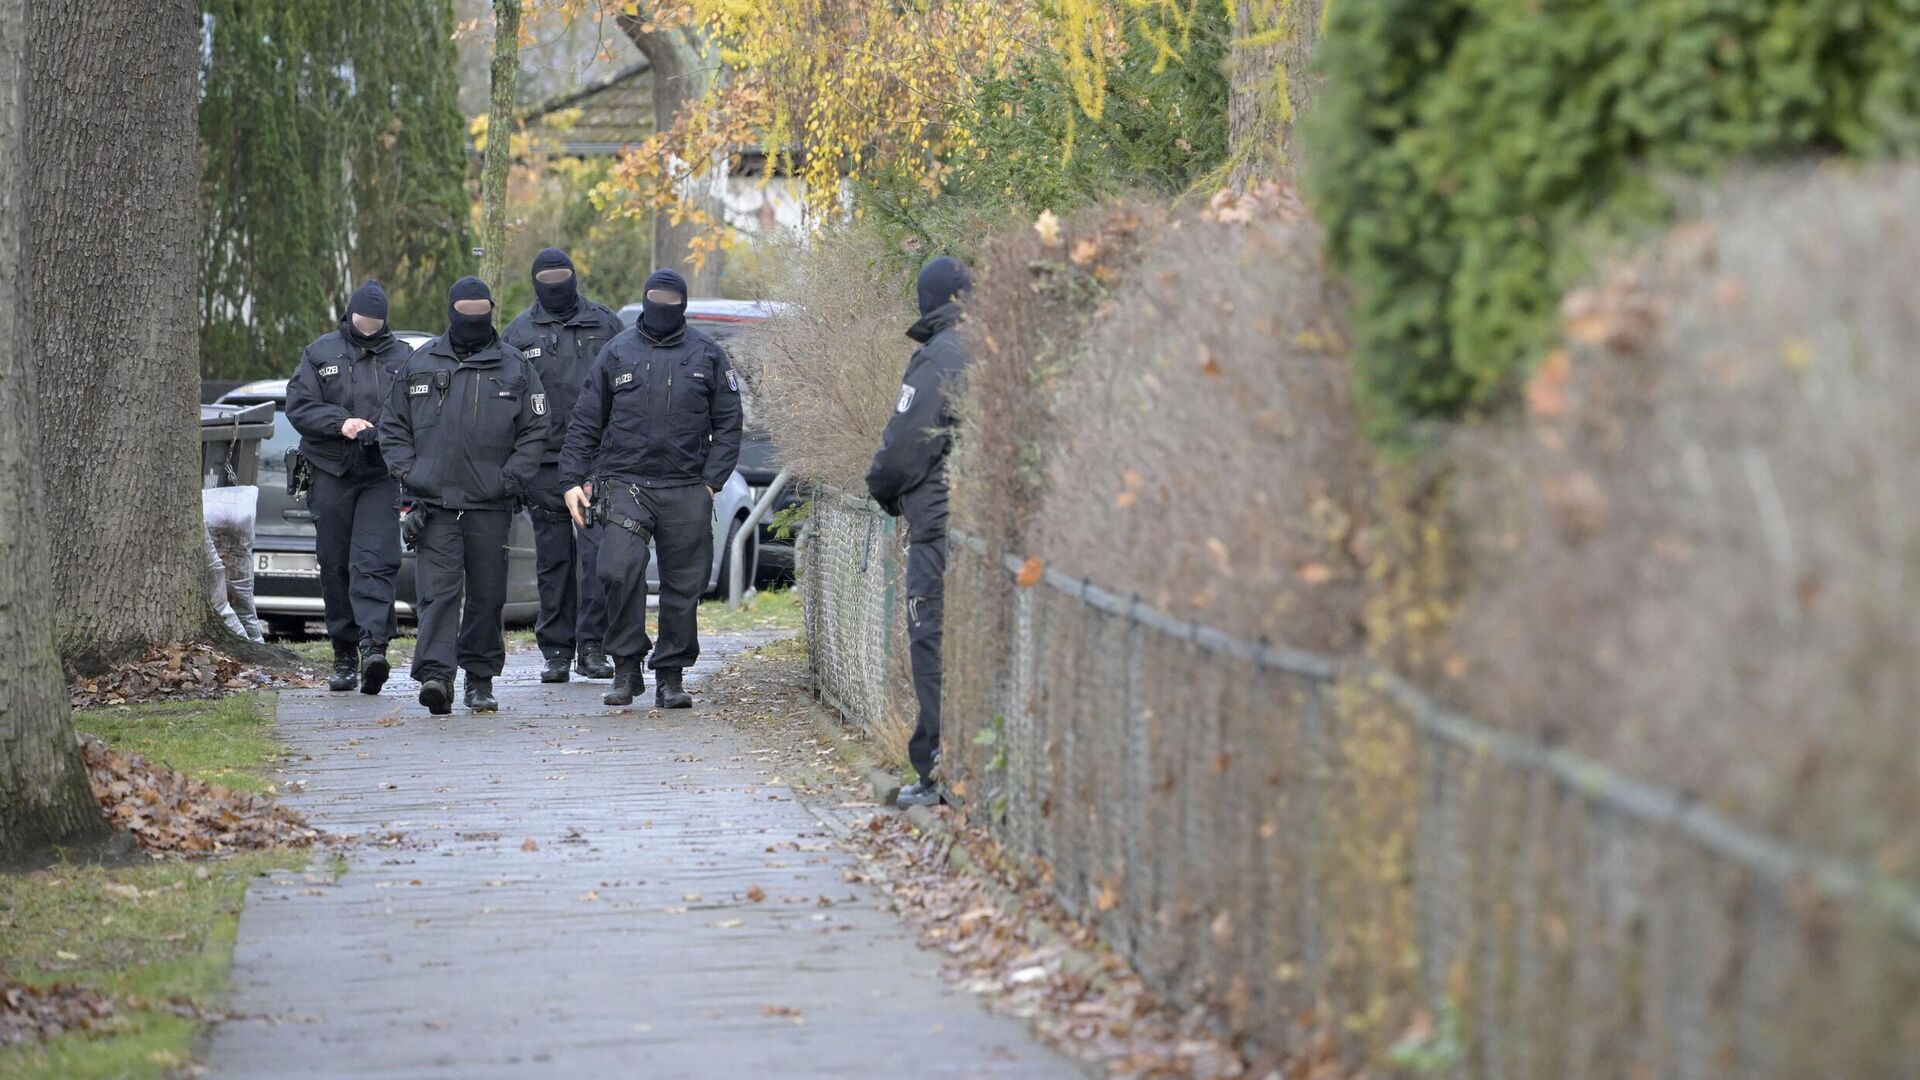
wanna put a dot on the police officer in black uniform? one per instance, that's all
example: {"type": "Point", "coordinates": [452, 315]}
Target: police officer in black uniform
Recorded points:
{"type": "Point", "coordinates": [909, 476]}
{"type": "Point", "coordinates": [658, 427]}
{"type": "Point", "coordinates": [463, 431]}
{"type": "Point", "coordinates": [334, 401]}
{"type": "Point", "coordinates": [562, 332]}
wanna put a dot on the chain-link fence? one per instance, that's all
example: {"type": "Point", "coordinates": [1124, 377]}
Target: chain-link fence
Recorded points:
{"type": "Point", "coordinates": [851, 572]}
{"type": "Point", "coordinates": [1314, 849]}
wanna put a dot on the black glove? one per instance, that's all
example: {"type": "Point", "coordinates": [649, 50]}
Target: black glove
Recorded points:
{"type": "Point", "coordinates": [413, 524]}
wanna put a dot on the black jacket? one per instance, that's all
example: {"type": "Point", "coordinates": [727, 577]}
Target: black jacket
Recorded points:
{"type": "Point", "coordinates": [656, 413]}
{"type": "Point", "coordinates": [562, 351]}
{"type": "Point", "coordinates": [465, 434]}
{"type": "Point", "coordinates": [910, 469]}
{"type": "Point", "coordinates": [338, 379]}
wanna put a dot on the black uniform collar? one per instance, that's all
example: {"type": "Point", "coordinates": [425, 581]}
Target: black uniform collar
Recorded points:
{"type": "Point", "coordinates": [669, 341]}
{"type": "Point", "coordinates": [581, 314]}
{"type": "Point", "coordinates": [945, 317]}
{"type": "Point", "coordinates": [491, 356]}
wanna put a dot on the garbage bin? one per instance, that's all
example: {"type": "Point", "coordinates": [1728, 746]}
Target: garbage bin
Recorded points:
{"type": "Point", "coordinates": [230, 437]}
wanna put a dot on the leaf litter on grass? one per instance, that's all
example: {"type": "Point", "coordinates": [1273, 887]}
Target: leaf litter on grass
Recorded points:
{"type": "Point", "coordinates": [172, 814]}
{"type": "Point", "coordinates": [176, 671]}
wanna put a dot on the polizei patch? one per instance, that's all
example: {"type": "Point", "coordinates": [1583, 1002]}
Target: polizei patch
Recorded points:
{"type": "Point", "coordinates": [330, 369]}
{"type": "Point", "coordinates": [533, 352]}
{"type": "Point", "coordinates": [906, 399]}
{"type": "Point", "coordinates": [624, 379]}
{"type": "Point", "coordinates": [539, 404]}
{"type": "Point", "coordinates": [418, 388]}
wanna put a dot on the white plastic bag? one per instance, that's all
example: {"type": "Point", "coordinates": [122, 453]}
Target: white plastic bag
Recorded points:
{"type": "Point", "coordinates": [217, 589]}
{"type": "Point", "coordinates": [229, 514]}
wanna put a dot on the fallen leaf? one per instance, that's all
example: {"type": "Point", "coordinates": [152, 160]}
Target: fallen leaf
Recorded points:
{"type": "Point", "coordinates": [529, 844]}
{"type": "Point", "coordinates": [756, 894]}
{"type": "Point", "coordinates": [1030, 572]}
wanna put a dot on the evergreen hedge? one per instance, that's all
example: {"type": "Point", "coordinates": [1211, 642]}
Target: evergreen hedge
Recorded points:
{"type": "Point", "coordinates": [1467, 156]}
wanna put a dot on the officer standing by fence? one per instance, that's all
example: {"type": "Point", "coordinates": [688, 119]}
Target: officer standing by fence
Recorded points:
{"type": "Point", "coordinates": [463, 431]}
{"type": "Point", "coordinates": [658, 427]}
{"type": "Point", "coordinates": [334, 400]}
{"type": "Point", "coordinates": [562, 332]}
{"type": "Point", "coordinates": [909, 476]}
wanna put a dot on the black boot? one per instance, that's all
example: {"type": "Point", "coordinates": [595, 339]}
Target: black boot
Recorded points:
{"type": "Point", "coordinates": [629, 678]}
{"type": "Point", "coordinates": [346, 670]}
{"type": "Point", "coordinates": [437, 696]}
{"type": "Point", "coordinates": [556, 669]}
{"type": "Point", "coordinates": [374, 669]}
{"type": "Point", "coordinates": [480, 695]}
{"type": "Point", "coordinates": [594, 663]}
{"type": "Point", "coordinates": [922, 792]}
{"type": "Point", "coordinates": [668, 694]}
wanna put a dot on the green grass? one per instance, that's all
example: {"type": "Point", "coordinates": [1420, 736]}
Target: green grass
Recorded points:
{"type": "Point", "coordinates": [319, 651]}
{"type": "Point", "coordinates": [173, 939]}
{"type": "Point", "coordinates": [229, 741]}
{"type": "Point", "coordinates": [776, 610]}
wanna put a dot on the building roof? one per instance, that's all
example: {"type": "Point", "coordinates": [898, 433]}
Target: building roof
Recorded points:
{"type": "Point", "coordinates": [615, 114]}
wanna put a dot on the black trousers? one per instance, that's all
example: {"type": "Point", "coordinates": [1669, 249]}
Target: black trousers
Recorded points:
{"type": "Point", "coordinates": [460, 583]}
{"type": "Point", "coordinates": [926, 613]}
{"type": "Point", "coordinates": [356, 527]}
{"type": "Point", "coordinates": [573, 607]}
{"type": "Point", "coordinates": [679, 521]}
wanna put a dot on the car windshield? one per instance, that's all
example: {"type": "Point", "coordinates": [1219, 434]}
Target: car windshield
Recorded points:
{"type": "Point", "coordinates": [273, 450]}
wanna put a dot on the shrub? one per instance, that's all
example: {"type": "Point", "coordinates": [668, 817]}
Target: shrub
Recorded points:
{"type": "Point", "coordinates": [1699, 558]}
{"type": "Point", "coordinates": [824, 374]}
{"type": "Point", "coordinates": [1465, 154]}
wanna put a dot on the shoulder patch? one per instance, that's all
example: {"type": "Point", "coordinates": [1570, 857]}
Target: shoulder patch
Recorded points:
{"type": "Point", "coordinates": [733, 381]}
{"type": "Point", "coordinates": [539, 404]}
{"type": "Point", "coordinates": [329, 371]}
{"type": "Point", "coordinates": [906, 399]}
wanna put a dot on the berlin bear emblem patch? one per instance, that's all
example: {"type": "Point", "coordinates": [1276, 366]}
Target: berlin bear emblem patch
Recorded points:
{"type": "Point", "coordinates": [906, 399]}
{"type": "Point", "coordinates": [539, 404]}
{"type": "Point", "coordinates": [733, 381]}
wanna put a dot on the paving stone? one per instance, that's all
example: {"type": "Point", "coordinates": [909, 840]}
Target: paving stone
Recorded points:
{"type": "Point", "coordinates": [622, 941]}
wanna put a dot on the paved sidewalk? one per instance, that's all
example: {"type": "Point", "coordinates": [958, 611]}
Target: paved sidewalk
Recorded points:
{"type": "Point", "coordinates": [625, 940]}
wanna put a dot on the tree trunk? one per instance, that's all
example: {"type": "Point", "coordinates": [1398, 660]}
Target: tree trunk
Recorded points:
{"type": "Point", "coordinates": [111, 138]}
{"type": "Point", "coordinates": [502, 112]}
{"type": "Point", "coordinates": [1272, 84]}
{"type": "Point", "coordinates": [44, 798]}
{"type": "Point", "coordinates": [678, 82]}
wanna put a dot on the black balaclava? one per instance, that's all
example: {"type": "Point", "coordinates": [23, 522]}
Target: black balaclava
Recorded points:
{"type": "Point", "coordinates": [941, 281]}
{"type": "Point", "coordinates": [468, 334]}
{"type": "Point", "coordinates": [561, 298]}
{"type": "Point", "coordinates": [369, 300]}
{"type": "Point", "coordinates": [662, 321]}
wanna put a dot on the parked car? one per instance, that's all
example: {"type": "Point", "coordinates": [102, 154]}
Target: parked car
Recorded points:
{"type": "Point", "coordinates": [725, 321]}
{"type": "Point", "coordinates": [287, 572]}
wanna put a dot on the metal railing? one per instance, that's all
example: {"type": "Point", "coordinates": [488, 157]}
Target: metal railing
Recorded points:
{"type": "Point", "coordinates": [1309, 844]}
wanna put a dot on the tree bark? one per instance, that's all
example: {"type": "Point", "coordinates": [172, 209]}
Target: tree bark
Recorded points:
{"type": "Point", "coordinates": [502, 112]}
{"type": "Point", "coordinates": [1271, 86]}
{"type": "Point", "coordinates": [111, 138]}
{"type": "Point", "coordinates": [678, 82]}
{"type": "Point", "coordinates": [44, 798]}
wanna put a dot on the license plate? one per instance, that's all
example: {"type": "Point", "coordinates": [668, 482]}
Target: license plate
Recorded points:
{"type": "Point", "coordinates": [286, 565]}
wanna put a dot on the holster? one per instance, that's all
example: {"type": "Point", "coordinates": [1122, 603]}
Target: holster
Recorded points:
{"type": "Point", "coordinates": [599, 505]}
{"type": "Point", "coordinates": [299, 474]}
